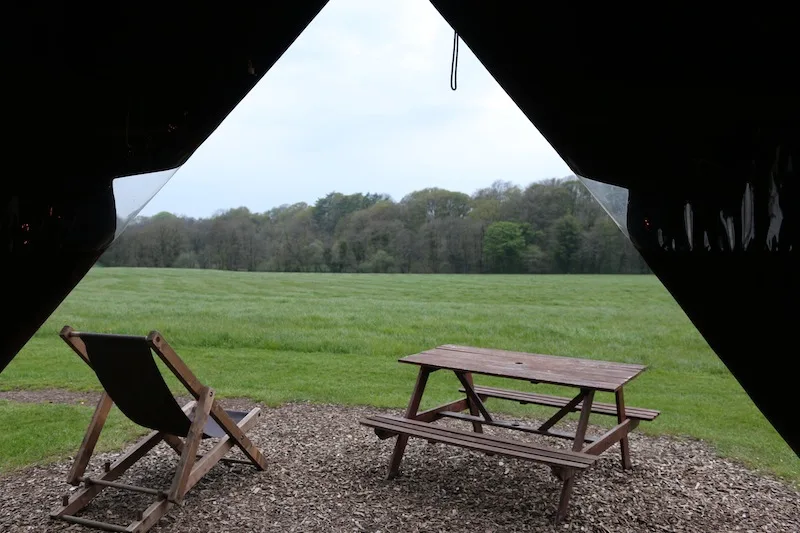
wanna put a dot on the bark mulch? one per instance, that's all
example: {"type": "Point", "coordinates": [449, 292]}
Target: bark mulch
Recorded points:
{"type": "Point", "coordinates": [327, 473]}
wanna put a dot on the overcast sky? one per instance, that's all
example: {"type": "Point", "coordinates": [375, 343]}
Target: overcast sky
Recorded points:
{"type": "Point", "coordinates": [361, 102]}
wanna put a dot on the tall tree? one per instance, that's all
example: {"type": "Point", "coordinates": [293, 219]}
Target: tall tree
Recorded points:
{"type": "Point", "coordinates": [504, 246]}
{"type": "Point", "coordinates": [550, 226]}
{"type": "Point", "coordinates": [567, 243]}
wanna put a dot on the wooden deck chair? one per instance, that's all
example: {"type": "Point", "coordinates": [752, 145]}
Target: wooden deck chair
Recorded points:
{"type": "Point", "coordinates": [130, 378]}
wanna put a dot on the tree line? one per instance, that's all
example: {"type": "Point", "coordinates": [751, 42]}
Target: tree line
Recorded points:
{"type": "Point", "coordinates": [553, 226]}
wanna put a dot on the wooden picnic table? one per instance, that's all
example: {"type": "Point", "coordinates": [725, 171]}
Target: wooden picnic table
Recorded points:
{"type": "Point", "coordinates": [586, 375]}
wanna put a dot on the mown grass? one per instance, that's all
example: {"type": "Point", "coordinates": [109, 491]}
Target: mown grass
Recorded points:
{"type": "Point", "coordinates": [336, 338]}
{"type": "Point", "coordinates": [34, 433]}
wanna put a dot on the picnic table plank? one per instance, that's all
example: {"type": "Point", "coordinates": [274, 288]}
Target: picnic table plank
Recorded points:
{"type": "Point", "coordinates": [591, 367]}
{"type": "Point", "coordinates": [606, 376]}
{"type": "Point", "coordinates": [549, 400]}
{"type": "Point", "coordinates": [481, 442]}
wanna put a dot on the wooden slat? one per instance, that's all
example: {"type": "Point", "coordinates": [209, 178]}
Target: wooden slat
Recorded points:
{"type": "Point", "coordinates": [69, 336]}
{"type": "Point", "coordinates": [564, 411]}
{"type": "Point", "coordinates": [82, 497]}
{"type": "Point", "coordinates": [239, 438]}
{"type": "Point", "coordinates": [513, 425]}
{"type": "Point", "coordinates": [176, 365]}
{"type": "Point", "coordinates": [125, 486]}
{"type": "Point", "coordinates": [503, 369]}
{"type": "Point", "coordinates": [478, 441]}
{"type": "Point", "coordinates": [563, 501]}
{"type": "Point", "coordinates": [583, 420]}
{"type": "Point", "coordinates": [90, 438]}
{"type": "Point", "coordinates": [474, 410]}
{"type": "Point", "coordinates": [411, 412]}
{"type": "Point", "coordinates": [481, 442]}
{"type": "Point", "coordinates": [559, 401]}
{"type": "Point", "coordinates": [589, 369]}
{"type": "Point", "coordinates": [475, 402]}
{"type": "Point", "coordinates": [105, 526]}
{"type": "Point", "coordinates": [508, 368]}
{"type": "Point", "coordinates": [191, 444]}
{"type": "Point", "coordinates": [150, 516]}
{"type": "Point", "coordinates": [215, 454]}
{"type": "Point", "coordinates": [593, 363]}
{"type": "Point", "coordinates": [569, 371]}
{"type": "Point", "coordinates": [473, 437]}
{"type": "Point", "coordinates": [611, 437]}
{"type": "Point", "coordinates": [433, 414]}
{"type": "Point", "coordinates": [622, 416]}
{"type": "Point", "coordinates": [174, 442]}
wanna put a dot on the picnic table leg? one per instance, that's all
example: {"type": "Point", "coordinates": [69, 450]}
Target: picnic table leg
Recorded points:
{"type": "Point", "coordinates": [587, 397]}
{"type": "Point", "coordinates": [623, 443]}
{"type": "Point", "coordinates": [566, 490]}
{"type": "Point", "coordinates": [411, 411]}
{"type": "Point", "coordinates": [477, 427]}
{"type": "Point", "coordinates": [567, 475]}
{"type": "Point", "coordinates": [583, 421]}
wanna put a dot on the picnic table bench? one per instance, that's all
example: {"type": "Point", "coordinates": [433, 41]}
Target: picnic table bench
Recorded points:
{"type": "Point", "coordinates": [589, 376]}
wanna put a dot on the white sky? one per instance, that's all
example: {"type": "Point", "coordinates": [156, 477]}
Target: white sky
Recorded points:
{"type": "Point", "coordinates": [361, 102]}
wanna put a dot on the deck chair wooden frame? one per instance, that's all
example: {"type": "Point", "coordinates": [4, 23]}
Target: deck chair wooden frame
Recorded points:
{"type": "Point", "coordinates": [191, 466]}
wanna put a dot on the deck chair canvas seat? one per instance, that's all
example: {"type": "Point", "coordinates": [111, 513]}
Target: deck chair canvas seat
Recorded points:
{"type": "Point", "coordinates": [131, 379]}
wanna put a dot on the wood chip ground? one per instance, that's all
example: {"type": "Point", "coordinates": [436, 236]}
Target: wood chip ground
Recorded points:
{"type": "Point", "coordinates": [327, 473]}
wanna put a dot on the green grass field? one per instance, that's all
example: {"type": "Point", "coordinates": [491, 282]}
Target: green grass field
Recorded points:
{"type": "Point", "coordinates": [336, 338]}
